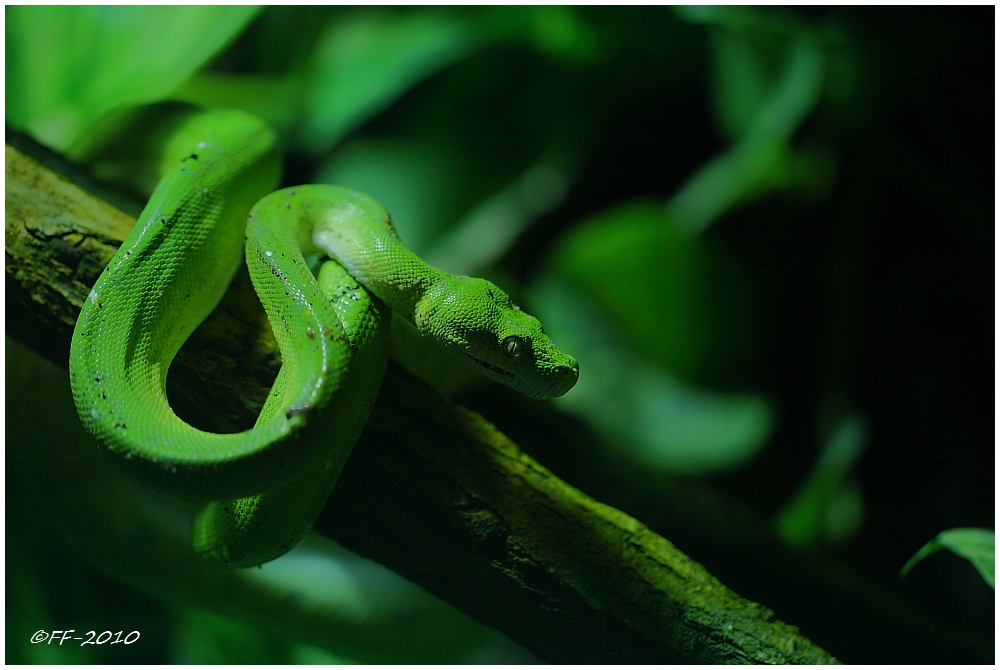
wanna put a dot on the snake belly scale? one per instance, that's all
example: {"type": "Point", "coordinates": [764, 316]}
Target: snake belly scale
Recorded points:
{"type": "Point", "coordinates": [265, 486]}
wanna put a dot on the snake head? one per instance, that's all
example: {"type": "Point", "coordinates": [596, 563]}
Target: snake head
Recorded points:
{"type": "Point", "coordinates": [479, 326]}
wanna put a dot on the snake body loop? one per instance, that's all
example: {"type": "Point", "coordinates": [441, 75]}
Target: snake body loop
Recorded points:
{"type": "Point", "coordinates": [268, 484]}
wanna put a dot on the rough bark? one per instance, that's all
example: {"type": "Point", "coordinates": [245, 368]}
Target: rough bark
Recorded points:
{"type": "Point", "coordinates": [432, 490]}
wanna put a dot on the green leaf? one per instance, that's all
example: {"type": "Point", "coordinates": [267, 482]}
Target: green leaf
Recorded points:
{"type": "Point", "coordinates": [650, 415]}
{"type": "Point", "coordinates": [559, 31]}
{"type": "Point", "coordinates": [478, 241]}
{"type": "Point", "coordinates": [307, 654]}
{"type": "Point", "coordinates": [768, 76]}
{"type": "Point", "coordinates": [974, 544]}
{"type": "Point", "coordinates": [276, 98]}
{"type": "Point", "coordinates": [364, 63]}
{"type": "Point", "coordinates": [742, 80]}
{"type": "Point", "coordinates": [761, 160]}
{"type": "Point", "coordinates": [647, 276]}
{"type": "Point", "coordinates": [68, 66]}
{"type": "Point", "coordinates": [829, 504]}
{"type": "Point", "coordinates": [202, 637]}
{"type": "Point", "coordinates": [427, 188]}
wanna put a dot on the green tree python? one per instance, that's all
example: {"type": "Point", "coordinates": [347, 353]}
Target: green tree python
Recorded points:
{"type": "Point", "coordinates": [264, 487]}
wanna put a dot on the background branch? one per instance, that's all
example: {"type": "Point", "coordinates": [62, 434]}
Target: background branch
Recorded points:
{"type": "Point", "coordinates": [433, 490]}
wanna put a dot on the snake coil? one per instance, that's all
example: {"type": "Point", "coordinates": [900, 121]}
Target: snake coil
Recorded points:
{"type": "Point", "coordinates": [266, 486]}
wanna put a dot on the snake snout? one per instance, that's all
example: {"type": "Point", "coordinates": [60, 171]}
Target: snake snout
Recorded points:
{"type": "Point", "coordinates": [563, 379]}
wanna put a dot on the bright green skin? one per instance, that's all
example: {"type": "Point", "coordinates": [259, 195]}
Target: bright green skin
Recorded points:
{"type": "Point", "coordinates": [333, 333]}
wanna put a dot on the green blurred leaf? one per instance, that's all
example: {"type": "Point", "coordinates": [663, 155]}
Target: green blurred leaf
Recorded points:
{"type": "Point", "coordinates": [768, 76]}
{"type": "Point", "coordinates": [559, 31]}
{"type": "Point", "coordinates": [202, 637]}
{"type": "Point", "coordinates": [276, 98]}
{"type": "Point", "coordinates": [365, 62]}
{"type": "Point", "coordinates": [844, 512]}
{"type": "Point", "coordinates": [306, 654]}
{"type": "Point", "coordinates": [626, 292]}
{"type": "Point", "coordinates": [761, 160]}
{"type": "Point", "coordinates": [743, 77]}
{"type": "Point", "coordinates": [68, 66]}
{"type": "Point", "coordinates": [829, 504]}
{"type": "Point", "coordinates": [478, 241]}
{"type": "Point", "coordinates": [649, 414]}
{"type": "Point", "coordinates": [432, 194]}
{"type": "Point", "coordinates": [647, 276]}
{"type": "Point", "coordinates": [977, 545]}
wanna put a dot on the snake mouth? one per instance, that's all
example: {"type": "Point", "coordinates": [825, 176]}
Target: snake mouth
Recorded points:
{"type": "Point", "coordinates": [493, 369]}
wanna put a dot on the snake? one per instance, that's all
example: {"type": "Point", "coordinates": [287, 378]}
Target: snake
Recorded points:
{"type": "Point", "coordinates": [215, 203]}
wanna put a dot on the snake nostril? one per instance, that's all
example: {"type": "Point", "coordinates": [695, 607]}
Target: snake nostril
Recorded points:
{"type": "Point", "coordinates": [563, 370]}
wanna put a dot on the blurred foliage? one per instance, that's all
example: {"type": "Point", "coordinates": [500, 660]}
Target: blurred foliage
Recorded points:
{"type": "Point", "coordinates": [829, 506]}
{"type": "Point", "coordinates": [203, 638]}
{"type": "Point", "coordinates": [585, 159]}
{"type": "Point", "coordinates": [66, 69]}
{"type": "Point", "coordinates": [645, 266]}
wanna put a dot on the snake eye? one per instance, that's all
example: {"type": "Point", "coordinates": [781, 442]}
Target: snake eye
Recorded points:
{"type": "Point", "coordinates": [512, 346]}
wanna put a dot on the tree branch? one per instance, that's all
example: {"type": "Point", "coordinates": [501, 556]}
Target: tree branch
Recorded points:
{"type": "Point", "coordinates": [432, 490]}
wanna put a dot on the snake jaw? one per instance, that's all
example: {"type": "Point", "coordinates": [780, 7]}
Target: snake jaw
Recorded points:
{"type": "Point", "coordinates": [493, 370]}
{"type": "Point", "coordinates": [556, 386]}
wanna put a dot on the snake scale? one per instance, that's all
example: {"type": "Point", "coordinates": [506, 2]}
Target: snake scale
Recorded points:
{"type": "Point", "coordinates": [264, 487]}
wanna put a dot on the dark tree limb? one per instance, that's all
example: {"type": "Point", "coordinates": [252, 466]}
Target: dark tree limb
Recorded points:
{"type": "Point", "coordinates": [432, 490]}
{"type": "Point", "coordinates": [460, 509]}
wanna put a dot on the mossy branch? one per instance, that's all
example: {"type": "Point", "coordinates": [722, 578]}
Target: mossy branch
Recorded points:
{"type": "Point", "coordinates": [432, 490]}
